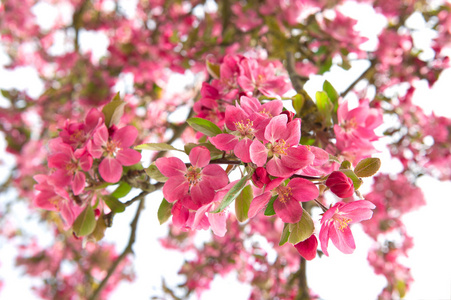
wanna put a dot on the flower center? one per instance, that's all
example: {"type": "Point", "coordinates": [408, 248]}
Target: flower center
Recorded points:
{"type": "Point", "coordinates": [71, 167]}
{"type": "Point", "coordinates": [244, 129]}
{"type": "Point", "coordinates": [284, 193]}
{"type": "Point", "coordinates": [349, 125]}
{"type": "Point", "coordinates": [112, 147]}
{"type": "Point", "coordinates": [193, 176]}
{"type": "Point", "coordinates": [266, 113]}
{"type": "Point", "coordinates": [341, 221]}
{"type": "Point", "coordinates": [279, 147]}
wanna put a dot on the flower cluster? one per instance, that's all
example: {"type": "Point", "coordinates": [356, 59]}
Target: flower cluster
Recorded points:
{"type": "Point", "coordinates": [81, 150]}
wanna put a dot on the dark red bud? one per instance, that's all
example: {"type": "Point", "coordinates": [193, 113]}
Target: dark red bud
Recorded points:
{"type": "Point", "coordinates": [340, 184]}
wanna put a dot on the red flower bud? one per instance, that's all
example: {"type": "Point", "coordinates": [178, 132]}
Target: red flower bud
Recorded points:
{"type": "Point", "coordinates": [307, 248]}
{"type": "Point", "coordinates": [289, 114]}
{"type": "Point", "coordinates": [260, 177]}
{"type": "Point", "coordinates": [340, 184]}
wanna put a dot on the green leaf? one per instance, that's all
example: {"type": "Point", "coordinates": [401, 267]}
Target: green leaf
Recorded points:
{"type": "Point", "coordinates": [156, 147]}
{"type": "Point", "coordinates": [122, 190]}
{"type": "Point", "coordinates": [233, 193]}
{"type": "Point", "coordinates": [206, 127]}
{"type": "Point", "coordinates": [113, 111]}
{"type": "Point", "coordinates": [298, 102]}
{"type": "Point", "coordinates": [269, 211]}
{"type": "Point", "coordinates": [367, 167]}
{"type": "Point", "coordinates": [331, 93]}
{"type": "Point", "coordinates": [301, 230]}
{"type": "Point", "coordinates": [164, 211]}
{"type": "Point", "coordinates": [99, 231]}
{"type": "Point", "coordinates": [154, 173]}
{"type": "Point", "coordinates": [243, 202]}
{"type": "Point", "coordinates": [114, 204]}
{"type": "Point", "coordinates": [355, 180]}
{"type": "Point", "coordinates": [85, 222]}
{"type": "Point", "coordinates": [285, 235]}
{"type": "Point", "coordinates": [325, 107]}
{"type": "Point", "coordinates": [215, 153]}
{"type": "Point", "coordinates": [325, 66]}
{"type": "Point", "coordinates": [213, 69]}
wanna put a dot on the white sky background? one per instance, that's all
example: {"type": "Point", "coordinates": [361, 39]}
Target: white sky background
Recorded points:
{"type": "Point", "coordinates": [339, 276]}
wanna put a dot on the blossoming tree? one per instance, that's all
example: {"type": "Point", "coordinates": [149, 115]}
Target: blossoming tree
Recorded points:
{"type": "Point", "coordinates": [260, 154]}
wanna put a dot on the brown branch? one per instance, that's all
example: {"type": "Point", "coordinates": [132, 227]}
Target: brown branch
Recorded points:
{"type": "Point", "coordinates": [362, 76]}
{"type": "Point", "coordinates": [303, 292]}
{"type": "Point", "coordinates": [128, 249]}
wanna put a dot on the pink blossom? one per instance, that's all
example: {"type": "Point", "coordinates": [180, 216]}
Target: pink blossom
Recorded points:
{"type": "Point", "coordinates": [70, 166]}
{"type": "Point", "coordinates": [286, 206]}
{"type": "Point", "coordinates": [335, 224]}
{"type": "Point", "coordinates": [199, 181]}
{"type": "Point", "coordinates": [286, 157]}
{"type": "Point", "coordinates": [114, 148]}
{"type": "Point", "coordinates": [340, 184]}
{"type": "Point", "coordinates": [53, 198]}
{"type": "Point", "coordinates": [256, 76]}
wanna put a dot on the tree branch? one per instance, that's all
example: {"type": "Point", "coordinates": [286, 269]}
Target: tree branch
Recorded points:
{"type": "Point", "coordinates": [127, 250]}
{"type": "Point", "coordinates": [362, 76]}
{"type": "Point", "coordinates": [303, 292]}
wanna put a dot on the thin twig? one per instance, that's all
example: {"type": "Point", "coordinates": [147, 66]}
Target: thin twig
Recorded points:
{"type": "Point", "coordinates": [362, 76]}
{"type": "Point", "coordinates": [124, 253]}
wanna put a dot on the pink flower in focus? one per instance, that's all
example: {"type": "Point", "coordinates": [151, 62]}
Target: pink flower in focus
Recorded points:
{"type": "Point", "coordinates": [286, 157]}
{"type": "Point", "coordinates": [335, 224]}
{"type": "Point", "coordinates": [286, 206]}
{"type": "Point", "coordinates": [340, 184]}
{"type": "Point", "coordinates": [115, 150]}
{"type": "Point", "coordinates": [200, 181]}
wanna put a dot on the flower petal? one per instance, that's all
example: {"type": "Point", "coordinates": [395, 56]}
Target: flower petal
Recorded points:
{"type": "Point", "coordinates": [171, 166]}
{"type": "Point", "coordinates": [110, 169]}
{"type": "Point", "coordinates": [343, 240]}
{"type": "Point", "coordinates": [289, 210]}
{"type": "Point", "coordinates": [258, 153]}
{"type": "Point", "coordinates": [258, 204]}
{"type": "Point", "coordinates": [224, 141]}
{"type": "Point", "coordinates": [215, 176]}
{"type": "Point", "coordinates": [303, 190]}
{"type": "Point", "coordinates": [128, 157]}
{"type": "Point", "coordinates": [199, 157]}
{"type": "Point", "coordinates": [175, 188]}
{"type": "Point", "coordinates": [126, 136]}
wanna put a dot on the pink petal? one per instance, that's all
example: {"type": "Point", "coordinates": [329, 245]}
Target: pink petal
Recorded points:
{"type": "Point", "coordinates": [59, 160]}
{"type": "Point", "coordinates": [290, 211]}
{"type": "Point", "coordinates": [293, 133]}
{"type": "Point", "coordinates": [258, 204]}
{"type": "Point", "coordinates": [126, 136]}
{"type": "Point", "coordinates": [324, 237]}
{"type": "Point", "coordinates": [179, 215]}
{"type": "Point", "coordinates": [101, 136]}
{"type": "Point", "coordinates": [86, 162]}
{"type": "Point", "coordinates": [218, 223]}
{"type": "Point", "coordinates": [202, 193]}
{"type": "Point", "coordinates": [215, 176]}
{"type": "Point", "coordinates": [242, 150]}
{"type": "Point", "coordinates": [110, 169]}
{"type": "Point", "coordinates": [276, 127]}
{"type": "Point", "coordinates": [343, 240]}
{"type": "Point", "coordinates": [297, 157]}
{"type": "Point", "coordinates": [128, 157]}
{"type": "Point", "coordinates": [276, 167]}
{"type": "Point", "coordinates": [78, 184]}
{"type": "Point", "coordinates": [250, 104]}
{"type": "Point", "coordinates": [303, 190]}
{"type": "Point", "coordinates": [224, 141]}
{"type": "Point", "coordinates": [171, 166]}
{"type": "Point", "coordinates": [258, 153]}
{"type": "Point", "coordinates": [199, 157]}
{"type": "Point", "coordinates": [175, 188]}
